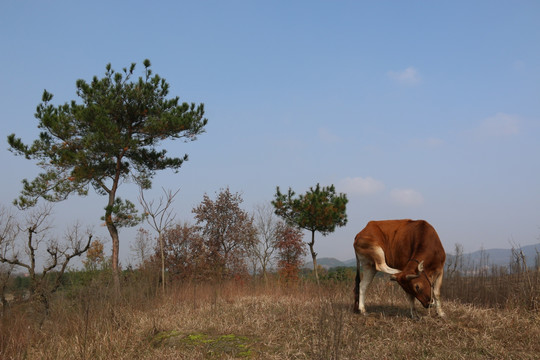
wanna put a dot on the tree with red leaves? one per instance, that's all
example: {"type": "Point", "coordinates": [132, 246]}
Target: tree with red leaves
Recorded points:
{"type": "Point", "coordinates": [291, 249]}
{"type": "Point", "coordinates": [184, 252]}
{"type": "Point", "coordinates": [228, 233]}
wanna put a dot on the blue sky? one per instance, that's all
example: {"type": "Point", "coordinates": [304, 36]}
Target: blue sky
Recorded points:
{"type": "Point", "coordinates": [414, 109]}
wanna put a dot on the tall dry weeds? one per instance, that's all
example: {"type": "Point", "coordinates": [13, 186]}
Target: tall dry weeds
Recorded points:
{"type": "Point", "coordinates": [258, 321]}
{"type": "Point", "coordinates": [483, 284]}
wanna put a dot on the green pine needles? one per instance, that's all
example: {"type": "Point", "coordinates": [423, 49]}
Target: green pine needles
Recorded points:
{"type": "Point", "coordinates": [320, 209]}
{"type": "Point", "coordinates": [113, 133]}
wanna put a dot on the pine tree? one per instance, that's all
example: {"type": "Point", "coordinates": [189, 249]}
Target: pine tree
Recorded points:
{"type": "Point", "coordinates": [320, 209]}
{"type": "Point", "coordinates": [110, 136]}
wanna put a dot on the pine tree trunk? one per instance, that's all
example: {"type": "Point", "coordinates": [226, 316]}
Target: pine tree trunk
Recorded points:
{"type": "Point", "coordinates": [314, 255]}
{"type": "Point", "coordinates": [113, 231]}
{"type": "Point", "coordinates": [115, 254]}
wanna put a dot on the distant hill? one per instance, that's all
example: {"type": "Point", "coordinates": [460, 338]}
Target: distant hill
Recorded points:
{"type": "Point", "coordinates": [500, 257]}
{"type": "Point", "coordinates": [326, 263]}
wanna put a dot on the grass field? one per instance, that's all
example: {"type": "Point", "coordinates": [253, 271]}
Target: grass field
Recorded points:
{"type": "Point", "coordinates": [251, 321]}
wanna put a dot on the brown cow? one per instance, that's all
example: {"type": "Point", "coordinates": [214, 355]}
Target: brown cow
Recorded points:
{"type": "Point", "coordinates": [410, 251]}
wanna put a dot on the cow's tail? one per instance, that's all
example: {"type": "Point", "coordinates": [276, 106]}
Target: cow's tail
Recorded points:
{"type": "Point", "coordinates": [357, 288]}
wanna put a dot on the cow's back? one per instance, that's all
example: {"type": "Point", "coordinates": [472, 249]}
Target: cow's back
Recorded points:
{"type": "Point", "coordinates": [403, 240]}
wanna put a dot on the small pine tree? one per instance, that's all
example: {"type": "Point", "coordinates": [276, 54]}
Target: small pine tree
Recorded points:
{"type": "Point", "coordinates": [320, 209]}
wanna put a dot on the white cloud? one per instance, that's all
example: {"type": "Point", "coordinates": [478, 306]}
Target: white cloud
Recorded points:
{"type": "Point", "coordinates": [407, 197]}
{"type": "Point", "coordinates": [328, 137]}
{"type": "Point", "coordinates": [409, 76]}
{"type": "Point", "coordinates": [360, 186]}
{"type": "Point", "coordinates": [500, 125]}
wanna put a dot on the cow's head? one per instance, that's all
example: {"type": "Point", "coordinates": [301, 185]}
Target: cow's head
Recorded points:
{"type": "Point", "coordinates": [415, 283]}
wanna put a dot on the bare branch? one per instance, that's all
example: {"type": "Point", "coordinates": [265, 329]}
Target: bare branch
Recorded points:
{"type": "Point", "coordinates": [159, 217]}
{"type": "Point", "coordinates": [58, 254]}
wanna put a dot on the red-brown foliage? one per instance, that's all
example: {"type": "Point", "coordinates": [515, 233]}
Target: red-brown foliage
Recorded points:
{"type": "Point", "coordinates": [185, 253]}
{"type": "Point", "coordinates": [227, 231]}
{"type": "Point", "coordinates": [291, 249]}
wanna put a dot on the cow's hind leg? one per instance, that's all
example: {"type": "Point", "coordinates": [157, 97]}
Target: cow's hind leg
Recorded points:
{"type": "Point", "coordinates": [368, 274]}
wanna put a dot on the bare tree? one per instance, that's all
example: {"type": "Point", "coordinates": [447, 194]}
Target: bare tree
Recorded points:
{"type": "Point", "coordinates": [454, 264]}
{"type": "Point", "coordinates": [8, 231]}
{"type": "Point", "coordinates": [36, 228]}
{"type": "Point", "coordinates": [159, 216]}
{"type": "Point", "coordinates": [262, 251]}
{"type": "Point", "coordinates": [142, 246]}
{"type": "Point", "coordinates": [5, 274]}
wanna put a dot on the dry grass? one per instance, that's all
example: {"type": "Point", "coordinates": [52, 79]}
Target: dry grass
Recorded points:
{"type": "Point", "coordinates": [256, 322]}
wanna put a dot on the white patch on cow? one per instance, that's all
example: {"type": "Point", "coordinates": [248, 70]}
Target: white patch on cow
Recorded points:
{"type": "Point", "coordinates": [380, 262]}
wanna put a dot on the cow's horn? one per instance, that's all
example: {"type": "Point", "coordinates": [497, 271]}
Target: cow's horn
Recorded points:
{"type": "Point", "coordinates": [411, 276]}
{"type": "Point", "coordinates": [418, 272]}
{"type": "Point", "coordinates": [393, 277]}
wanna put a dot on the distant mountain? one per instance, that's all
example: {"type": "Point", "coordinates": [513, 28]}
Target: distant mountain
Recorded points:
{"type": "Point", "coordinates": [351, 262]}
{"type": "Point", "coordinates": [326, 263]}
{"type": "Point", "coordinates": [500, 257]}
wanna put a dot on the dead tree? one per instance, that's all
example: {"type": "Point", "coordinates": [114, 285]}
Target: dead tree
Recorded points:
{"type": "Point", "coordinates": [35, 233]}
{"type": "Point", "coordinates": [160, 217]}
{"type": "Point", "coordinates": [262, 251]}
{"type": "Point", "coordinates": [8, 231]}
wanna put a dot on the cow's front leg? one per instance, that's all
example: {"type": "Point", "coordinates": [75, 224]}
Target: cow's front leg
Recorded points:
{"type": "Point", "coordinates": [437, 294]}
{"type": "Point", "coordinates": [414, 313]}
